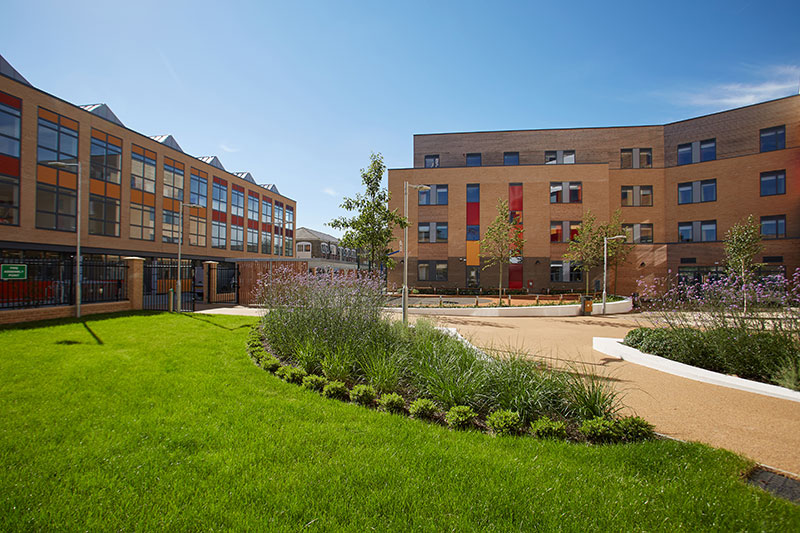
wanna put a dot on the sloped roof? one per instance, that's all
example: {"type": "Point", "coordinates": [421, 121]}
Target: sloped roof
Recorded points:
{"type": "Point", "coordinates": [213, 161]}
{"type": "Point", "coordinates": [271, 187]}
{"type": "Point", "coordinates": [167, 140]}
{"type": "Point", "coordinates": [246, 176]}
{"type": "Point", "coordinates": [103, 111]}
{"type": "Point", "coordinates": [7, 70]}
{"type": "Point", "coordinates": [306, 233]}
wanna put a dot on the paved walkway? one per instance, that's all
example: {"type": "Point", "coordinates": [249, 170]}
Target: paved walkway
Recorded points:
{"type": "Point", "coordinates": [762, 428]}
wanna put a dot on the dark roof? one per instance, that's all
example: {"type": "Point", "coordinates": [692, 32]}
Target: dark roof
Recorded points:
{"type": "Point", "coordinates": [306, 233]}
{"type": "Point", "coordinates": [213, 161]}
{"type": "Point", "coordinates": [103, 111]}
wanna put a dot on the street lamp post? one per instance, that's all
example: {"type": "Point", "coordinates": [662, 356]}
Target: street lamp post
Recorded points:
{"type": "Point", "coordinates": [406, 185]}
{"type": "Point", "coordinates": [180, 242]}
{"type": "Point", "coordinates": [61, 164]}
{"type": "Point", "coordinates": [605, 264]}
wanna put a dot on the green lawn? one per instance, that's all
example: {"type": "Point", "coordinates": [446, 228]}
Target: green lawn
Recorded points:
{"type": "Point", "coordinates": [161, 422]}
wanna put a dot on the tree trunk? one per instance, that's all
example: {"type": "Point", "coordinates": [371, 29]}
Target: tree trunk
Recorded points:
{"type": "Point", "coordinates": [500, 288]}
{"type": "Point", "coordinates": [744, 289]}
{"type": "Point", "coordinates": [615, 278]}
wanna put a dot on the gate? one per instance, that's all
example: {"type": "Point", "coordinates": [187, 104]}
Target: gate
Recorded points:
{"type": "Point", "coordinates": [162, 275]}
{"type": "Point", "coordinates": [227, 284]}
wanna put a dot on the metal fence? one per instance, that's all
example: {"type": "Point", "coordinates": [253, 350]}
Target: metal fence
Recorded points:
{"type": "Point", "coordinates": [51, 282]}
{"type": "Point", "coordinates": [227, 284]}
{"type": "Point", "coordinates": [161, 283]}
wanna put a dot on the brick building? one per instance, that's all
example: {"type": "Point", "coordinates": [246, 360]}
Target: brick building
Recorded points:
{"type": "Point", "coordinates": [132, 186]}
{"type": "Point", "coordinates": [679, 186]}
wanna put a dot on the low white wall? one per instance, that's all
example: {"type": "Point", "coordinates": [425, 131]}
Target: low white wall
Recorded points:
{"type": "Point", "coordinates": [543, 310]}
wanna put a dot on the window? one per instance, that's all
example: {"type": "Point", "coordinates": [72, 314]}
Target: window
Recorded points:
{"type": "Point", "coordinates": [685, 154]}
{"type": "Point", "coordinates": [219, 198]}
{"type": "Point", "coordinates": [9, 200]}
{"type": "Point", "coordinates": [550, 157]}
{"type": "Point", "coordinates": [708, 150]}
{"type": "Point", "coordinates": [278, 244]}
{"type": "Point", "coordinates": [289, 247]}
{"type": "Point", "coordinates": [575, 272]}
{"type": "Point", "coordinates": [237, 205]}
{"type": "Point", "coordinates": [237, 238]}
{"type": "Point", "coordinates": [556, 271]}
{"type": "Point", "coordinates": [773, 183]}
{"type": "Point", "coordinates": [143, 222]}
{"type": "Point", "coordinates": [473, 277]}
{"type": "Point", "coordinates": [106, 157]}
{"type": "Point", "coordinates": [575, 192]}
{"type": "Point", "coordinates": [473, 160]}
{"type": "Point", "coordinates": [708, 230]}
{"type": "Point", "coordinates": [645, 158]}
{"type": "Point", "coordinates": [638, 233]}
{"type": "Point", "coordinates": [56, 188]}
{"type": "Point", "coordinates": [198, 188]}
{"type": "Point", "coordinates": [252, 240]}
{"type": "Point", "coordinates": [10, 117]}
{"type": "Point", "coordinates": [685, 230]}
{"type": "Point", "coordinates": [636, 158]}
{"type": "Point", "coordinates": [473, 193]}
{"type": "Point", "coordinates": [556, 192]}
{"type": "Point", "coordinates": [424, 232]}
{"type": "Point", "coordinates": [173, 179]}
{"type": "Point", "coordinates": [773, 227]}
{"type": "Point", "coordinates": [693, 192]}
{"type": "Point", "coordinates": [197, 230]}
{"type": "Point", "coordinates": [574, 229]}
{"type": "Point", "coordinates": [143, 169]}
{"type": "Point", "coordinates": [437, 195]}
{"type": "Point", "coordinates": [564, 231]}
{"type": "Point", "coordinates": [170, 228]}
{"type": "Point", "coordinates": [266, 242]}
{"type": "Point", "coordinates": [696, 152]}
{"type": "Point", "coordinates": [511, 158]}
{"type": "Point", "coordinates": [441, 232]}
{"type": "Point", "coordinates": [289, 218]}
{"type": "Point", "coordinates": [432, 161]}
{"type": "Point", "coordinates": [432, 271]}
{"type": "Point", "coordinates": [473, 233]}
{"type": "Point", "coordinates": [773, 138]}
{"type": "Point", "coordinates": [279, 214]}
{"type": "Point", "coordinates": [559, 157]}
{"type": "Point", "coordinates": [103, 216]}
{"type": "Point", "coordinates": [574, 189]}
{"type": "Point", "coordinates": [556, 231]}
{"type": "Point", "coordinates": [58, 138]}
{"type": "Point", "coordinates": [219, 235]}
{"type": "Point", "coordinates": [432, 231]}
{"type": "Point", "coordinates": [637, 196]}
{"type": "Point", "coordinates": [252, 207]}
{"type": "Point", "coordinates": [266, 211]}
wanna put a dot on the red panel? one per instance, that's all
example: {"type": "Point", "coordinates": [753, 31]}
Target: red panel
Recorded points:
{"type": "Point", "coordinates": [266, 227]}
{"type": "Point", "coordinates": [9, 166]}
{"type": "Point", "coordinates": [473, 214]}
{"type": "Point", "coordinates": [253, 194]}
{"type": "Point", "coordinates": [289, 233]}
{"type": "Point", "coordinates": [220, 181]}
{"type": "Point", "coordinates": [237, 188]}
{"type": "Point", "coordinates": [237, 221]}
{"type": "Point", "coordinates": [515, 197]}
{"type": "Point", "coordinates": [515, 276]}
{"type": "Point", "coordinates": [279, 204]}
{"type": "Point", "coordinates": [219, 216]}
{"type": "Point", "coordinates": [252, 224]}
{"type": "Point", "coordinates": [12, 101]}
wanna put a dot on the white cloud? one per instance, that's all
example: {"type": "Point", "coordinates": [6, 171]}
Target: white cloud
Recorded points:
{"type": "Point", "coordinates": [330, 192]}
{"type": "Point", "coordinates": [776, 81]}
{"type": "Point", "coordinates": [225, 148]}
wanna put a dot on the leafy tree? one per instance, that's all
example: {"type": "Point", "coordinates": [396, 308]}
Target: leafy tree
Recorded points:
{"type": "Point", "coordinates": [742, 245]}
{"type": "Point", "coordinates": [502, 241]}
{"type": "Point", "coordinates": [587, 247]}
{"type": "Point", "coordinates": [619, 249]}
{"type": "Point", "coordinates": [370, 230]}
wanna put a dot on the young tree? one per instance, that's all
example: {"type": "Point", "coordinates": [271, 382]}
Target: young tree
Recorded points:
{"type": "Point", "coordinates": [370, 230]}
{"type": "Point", "coordinates": [587, 246]}
{"type": "Point", "coordinates": [502, 241]}
{"type": "Point", "coordinates": [618, 249]}
{"type": "Point", "coordinates": [742, 245]}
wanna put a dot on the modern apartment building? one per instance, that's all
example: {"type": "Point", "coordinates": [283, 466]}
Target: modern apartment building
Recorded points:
{"type": "Point", "coordinates": [679, 186]}
{"type": "Point", "coordinates": [132, 187]}
{"type": "Point", "coordinates": [323, 253]}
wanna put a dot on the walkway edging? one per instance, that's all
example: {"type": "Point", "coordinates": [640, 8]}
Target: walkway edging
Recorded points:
{"type": "Point", "coordinates": [612, 308]}
{"type": "Point", "coordinates": [615, 348]}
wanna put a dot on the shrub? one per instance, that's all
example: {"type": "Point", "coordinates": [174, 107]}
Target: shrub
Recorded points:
{"type": "Point", "coordinates": [634, 429]}
{"type": "Point", "coordinates": [600, 430]}
{"type": "Point", "coordinates": [392, 403]}
{"type": "Point", "coordinates": [338, 363]}
{"type": "Point", "coordinates": [336, 390]}
{"type": "Point", "coordinates": [787, 373]}
{"type": "Point", "coordinates": [635, 337]}
{"type": "Point", "coordinates": [363, 395]}
{"type": "Point", "coordinates": [270, 363]}
{"type": "Point", "coordinates": [257, 354]}
{"type": "Point", "coordinates": [591, 396]}
{"type": "Point", "coordinates": [545, 428]}
{"type": "Point", "coordinates": [504, 422]}
{"type": "Point", "coordinates": [307, 355]}
{"type": "Point", "coordinates": [423, 408]}
{"type": "Point", "coordinates": [314, 382]}
{"type": "Point", "coordinates": [659, 341]}
{"type": "Point", "coordinates": [291, 374]}
{"type": "Point", "coordinates": [460, 417]}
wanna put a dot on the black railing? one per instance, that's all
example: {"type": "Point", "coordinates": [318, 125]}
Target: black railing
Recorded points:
{"type": "Point", "coordinates": [161, 283]}
{"type": "Point", "coordinates": [50, 282]}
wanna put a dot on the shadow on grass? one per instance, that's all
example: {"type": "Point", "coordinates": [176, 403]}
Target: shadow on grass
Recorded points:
{"type": "Point", "coordinates": [208, 320]}
{"type": "Point", "coordinates": [72, 320]}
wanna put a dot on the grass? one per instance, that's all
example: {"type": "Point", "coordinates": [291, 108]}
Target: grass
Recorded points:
{"type": "Point", "coordinates": [161, 422]}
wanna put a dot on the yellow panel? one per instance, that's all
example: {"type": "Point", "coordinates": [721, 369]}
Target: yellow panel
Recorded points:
{"type": "Point", "coordinates": [473, 249]}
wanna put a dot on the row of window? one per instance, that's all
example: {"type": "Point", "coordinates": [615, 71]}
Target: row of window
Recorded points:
{"type": "Point", "coordinates": [560, 271]}
{"type": "Point", "coordinates": [694, 152]}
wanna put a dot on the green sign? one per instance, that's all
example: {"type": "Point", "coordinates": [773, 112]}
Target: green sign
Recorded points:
{"type": "Point", "coordinates": [13, 272]}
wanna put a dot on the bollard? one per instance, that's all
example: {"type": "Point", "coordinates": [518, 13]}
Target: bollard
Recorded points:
{"type": "Point", "coordinates": [440, 300]}
{"type": "Point", "coordinates": [476, 302]}
{"type": "Point", "coordinates": [171, 304]}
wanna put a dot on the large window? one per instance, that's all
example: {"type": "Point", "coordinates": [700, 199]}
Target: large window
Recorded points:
{"type": "Point", "coordinates": [252, 207]}
{"type": "Point", "coordinates": [237, 238]}
{"type": "Point", "coordinates": [432, 231]}
{"type": "Point", "coordinates": [278, 244]}
{"type": "Point", "coordinates": [432, 271]}
{"type": "Point", "coordinates": [773, 138]}
{"type": "Point", "coordinates": [237, 204]}
{"type": "Point", "coordinates": [564, 230]}
{"type": "Point", "coordinates": [197, 230]}
{"type": "Point", "coordinates": [708, 150]}
{"type": "Point", "coordinates": [219, 235]}
{"type": "Point", "coordinates": [473, 233]}
{"type": "Point", "coordinates": [637, 196]}
{"type": "Point", "coordinates": [289, 247]}
{"type": "Point", "coordinates": [574, 192]}
{"type": "Point", "coordinates": [198, 188]}
{"type": "Point", "coordinates": [56, 203]}
{"type": "Point", "coordinates": [697, 152]}
{"type": "Point", "coordinates": [773, 183]}
{"type": "Point", "coordinates": [432, 161]}
{"type": "Point", "coordinates": [9, 200]}
{"type": "Point", "coordinates": [638, 233]}
{"type": "Point", "coordinates": [252, 240]}
{"type": "Point", "coordinates": [636, 158]}
{"type": "Point", "coordinates": [685, 154]}
{"type": "Point", "coordinates": [693, 192]}
{"type": "Point", "coordinates": [10, 116]}
{"type": "Point", "coordinates": [106, 157]}
{"type": "Point", "coordinates": [511, 158]}
{"type": "Point", "coordinates": [266, 242]}
{"type": "Point", "coordinates": [266, 211]}
{"type": "Point", "coordinates": [437, 195]}
{"type": "Point", "coordinates": [143, 222]}
{"type": "Point", "coordinates": [773, 227]}
{"type": "Point", "coordinates": [170, 226]}
{"type": "Point", "coordinates": [143, 169]}
{"type": "Point", "coordinates": [699, 231]}
{"type": "Point", "coordinates": [103, 216]}
{"type": "Point", "coordinates": [289, 218]}
{"type": "Point", "coordinates": [173, 179]}
{"type": "Point", "coordinates": [559, 157]}
{"type": "Point", "coordinates": [219, 197]}
{"type": "Point", "coordinates": [473, 193]}
{"type": "Point", "coordinates": [473, 160]}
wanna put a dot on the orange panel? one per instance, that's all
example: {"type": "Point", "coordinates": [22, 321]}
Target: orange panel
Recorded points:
{"type": "Point", "coordinates": [48, 115]}
{"type": "Point", "coordinates": [170, 204]}
{"type": "Point", "coordinates": [48, 174]}
{"type": "Point", "coordinates": [113, 190]}
{"type": "Point", "coordinates": [97, 134]}
{"type": "Point", "coordinates": [116, 141]}
{"type": "Point", "coordinates": [67, 179]}
{"type": "Point", "coordinates": [137, 150]}
{"type": "Point", "coordinates": [136, 196]}
{"type": "Point", "coordinates": [178, 164]}
{"type": "Point", "coordinates": [149, 199]}
{"type": "Point", "coordinates": [473, 251]}
{"type": "Point", "coordinates": [148, 153]}
{"type": "Point", "coordinates": [69, 123]}
{"type": "Point", "coordinates": [97, 187]}
{"type": "Point", "coordinates": [168, 161]}
{"type": "Point", "coordinates": [197, 211]}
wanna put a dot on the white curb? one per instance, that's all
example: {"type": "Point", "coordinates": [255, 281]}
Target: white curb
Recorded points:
{"type": "Point", "coordinates": [615, 348]}
{"type": "Point", "coordinates": [622, 306]}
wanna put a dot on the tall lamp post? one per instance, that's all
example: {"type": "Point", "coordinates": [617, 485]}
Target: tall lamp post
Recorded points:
{"type": "Point", "coordinates": [605, 264]}
{"type": "Point", "coordinates": [406, 185]}
{"type": "Point", "coordinates": [61, 164]}
{"type": "Point", "coordinates": [179, 290]}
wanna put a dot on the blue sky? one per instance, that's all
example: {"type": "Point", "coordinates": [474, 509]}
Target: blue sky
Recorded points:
{"type": "Point", "coordinates": [299, 93]}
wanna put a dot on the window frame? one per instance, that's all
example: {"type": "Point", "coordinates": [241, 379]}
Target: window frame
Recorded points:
{"type": "Point", "coordinates": [779, 176]}
{"type": "Point", "coordinates": [779, 221]}
{"type": "Point", "coordinates": [778, 133]}
{"type": "Point", "coordinates": [433, 159]}
{"type": "Point", "coordinates": [474, 159]}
